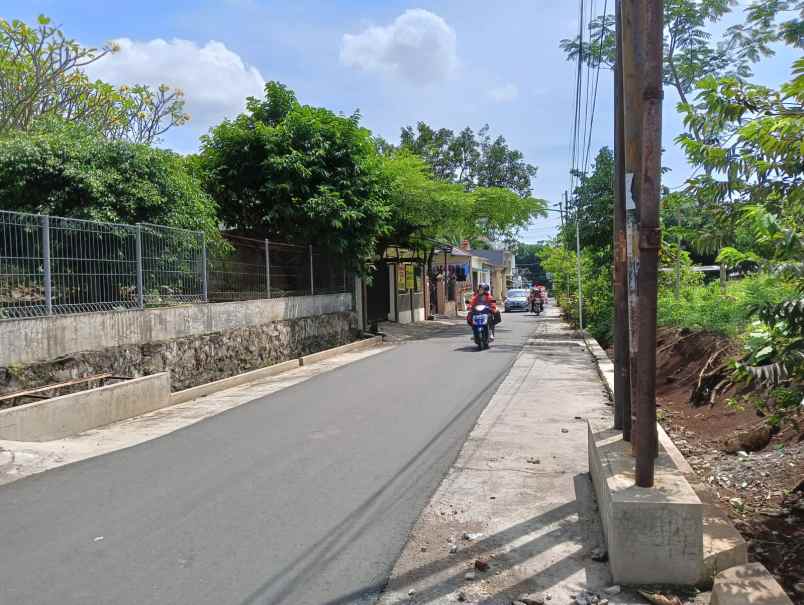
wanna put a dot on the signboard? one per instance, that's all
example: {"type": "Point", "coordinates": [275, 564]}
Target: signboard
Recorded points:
{"type": "Point", "coordinates": [400, 277]}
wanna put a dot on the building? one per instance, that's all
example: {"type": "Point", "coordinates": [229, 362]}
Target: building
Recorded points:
{"type": "Point", "coordinates": [494, 267]}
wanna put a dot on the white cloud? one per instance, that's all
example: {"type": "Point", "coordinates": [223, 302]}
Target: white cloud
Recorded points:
{"type": "Point", "coordinates": [504, 94]}
{"type": "Point", "coordinates": [418, 46]}
{"type": "Point", "coordinates": [215, 80]}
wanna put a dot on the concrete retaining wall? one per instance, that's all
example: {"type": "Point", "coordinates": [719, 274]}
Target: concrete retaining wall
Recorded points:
{"type": "Point", "coordinates": [42, 338]}
{"type": "Point", "coordinates": [244, 336]}
{"type": "Point", "coordinates": [71, 414]}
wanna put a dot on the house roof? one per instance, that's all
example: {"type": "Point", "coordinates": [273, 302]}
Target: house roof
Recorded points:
{"type": "Point", "coordinates": [495, 257]}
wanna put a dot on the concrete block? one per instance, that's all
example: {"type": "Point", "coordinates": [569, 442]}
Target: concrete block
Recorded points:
{"type": "Point", "coordinates": [352, 346]}
{"type": "Point", "coordinates": [227, 383]}
{"type": "Point", "coordinates": [749, 584]}
{"type": "Point", "coordinates": [77, 412]}
{"type": "Point", "coordinates": [654, 535]}
{"type": "Point", "coordinates": [724, 547]}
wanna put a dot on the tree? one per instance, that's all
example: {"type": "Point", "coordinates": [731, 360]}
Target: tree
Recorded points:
{"type": "Point", "coordinates": [427, 211]}
{"type": "Point", "coordinates": [529, 262]}
{"type": "Point", "coordinates": [470, 160]}
{"type": "Point", "coordinates": [689, 52]}
{"type": "Point", "coordinates": [593, 204]}
{"type": "Point", "coordinates": [298, 173]}
{"type": "Point", "coordinates": [754, 162]}
{"type": "Point", "coordinates": [75, 173]}
{"type": "Point", "coordinates": [42, 78]}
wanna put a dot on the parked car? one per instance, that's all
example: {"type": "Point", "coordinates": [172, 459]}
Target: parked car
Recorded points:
{"type": "Point", "coordinates": [516, 300]}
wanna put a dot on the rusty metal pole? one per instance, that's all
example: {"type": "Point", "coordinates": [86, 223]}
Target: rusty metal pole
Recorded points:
{"type": "Point", "coordinates": [622, 394]}
{"type": "Point", "coordinates": [632, 61]}
{"type": "Point", "coordinates": [649, 238]}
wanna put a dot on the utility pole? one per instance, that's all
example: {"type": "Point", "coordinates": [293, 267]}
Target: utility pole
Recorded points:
{"type": "Point", "coordinates": [652, 21]}
{"type": "Point", "coordinates": [622, 394]}
{"type": "Point", "coordinates": [632, 60]}
{"type": "Point", "coordinates": [578, 260]}
{"type": "Point", "coordinates": [561, 210]}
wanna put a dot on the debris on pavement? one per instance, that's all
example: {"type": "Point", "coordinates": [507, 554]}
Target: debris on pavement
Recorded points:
{"type": "Point", "coordinates": [461, 596]}
{"type": "Point", "coordinates": [600, 554]}
{"type": "Point", "coordinates": [533, 460]}
{"type": "Point", "coordinates": [453, 548]}
{"type": "Point", "coordinates": [613, 590]}
{"type": "Point", "coordinates": [528, 599]}
{"type": "Point", "coordinates": [658, 598]}
{"type": "Point", "coordinates": [469, 537]}
{"type": "Point", "coordinates": [565, 430]}
{"type": "Point", "coordinates": [469, 575]}
{"type": "Point", "coordinates": [481, 565]}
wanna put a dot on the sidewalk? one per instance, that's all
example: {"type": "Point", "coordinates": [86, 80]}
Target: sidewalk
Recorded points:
{"type": "Point", "coordinates": [518, 498]}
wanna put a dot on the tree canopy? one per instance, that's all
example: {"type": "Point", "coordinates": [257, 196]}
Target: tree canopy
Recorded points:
{"type": "Point", "coordinates": [71, 172]}
{"type": "Point", "coordinates": [469, 159]}
{"type": "Point", "coordinates": [42, 77]}
{"type": "Point", "coordinates": [298, 173]}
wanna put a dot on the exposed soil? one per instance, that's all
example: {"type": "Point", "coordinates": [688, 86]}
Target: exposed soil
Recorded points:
{"type": "Point", "coordinates": [756, 474]}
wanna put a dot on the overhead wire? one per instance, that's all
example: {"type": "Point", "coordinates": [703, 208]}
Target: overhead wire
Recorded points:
{"type": "Point", "coordinates": [597, 80]}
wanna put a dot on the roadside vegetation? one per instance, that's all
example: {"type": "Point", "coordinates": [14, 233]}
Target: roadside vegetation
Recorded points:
{"type": "Point", "coordinates": [75, 147]}
{"type": "Point", "coordinates": [730, 353]}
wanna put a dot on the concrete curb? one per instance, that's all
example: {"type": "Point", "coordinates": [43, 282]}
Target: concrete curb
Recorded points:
{"type": "Point", "coordinates": [605, 367]}
{"type": "Point", "coordinates": [352, 346]}
{"type": "Point", "coordinates": [74, 413]}
{"type": "Point", "coordinates": [209, 388]}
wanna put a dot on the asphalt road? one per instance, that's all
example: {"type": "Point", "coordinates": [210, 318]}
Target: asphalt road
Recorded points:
{"type": "Point", "coordinates": [296, 498]}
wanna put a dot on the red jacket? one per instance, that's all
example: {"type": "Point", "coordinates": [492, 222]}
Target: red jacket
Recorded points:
{"type": "Point", "coordinates": [490, 302]}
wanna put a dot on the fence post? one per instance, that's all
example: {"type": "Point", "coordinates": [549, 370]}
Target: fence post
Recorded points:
{"type": "Point", "coordinates": [140, 290]}
{"type": "Point", "coordinates": [204, 272]}
{"type": "Point", "coordinates": [268, 267]}
{"type": "Point", "coordinates": [312, 283]}
{"type": "Point", "coordinates": [47, 277]}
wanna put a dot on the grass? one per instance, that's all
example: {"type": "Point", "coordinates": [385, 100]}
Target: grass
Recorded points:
{"type": "Point", "coordinates": [705, 307]}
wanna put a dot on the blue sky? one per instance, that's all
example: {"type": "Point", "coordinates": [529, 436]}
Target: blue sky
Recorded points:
{"type": "Point", "coordinates": [451, 63]}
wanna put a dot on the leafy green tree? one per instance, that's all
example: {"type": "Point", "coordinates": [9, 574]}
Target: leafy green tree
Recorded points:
{"type": "Point", "coordinates": [42, 78]}
{"type": "Point", "coordinates": [428, 211]}
{"type": "Point", "coordinates": [593, 204]}
{"type": "Point", "coordinates": [298, 173]}
{"type": "Point", "coordinates": [425, 210]}
{"type": "Point", "coordinates": [528, 259]}
{"type": "Point", "coordinates": [690, 54]}
{"type": "Point", "coordinates": [472, 160]}
{"type": "Point", "coordinates": [754, 179]}
{"type": "Point", "coordinates": [70, 172]}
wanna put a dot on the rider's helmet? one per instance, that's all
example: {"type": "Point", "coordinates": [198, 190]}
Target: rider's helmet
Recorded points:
{"type": "Point", "coordinates": [485, 287]}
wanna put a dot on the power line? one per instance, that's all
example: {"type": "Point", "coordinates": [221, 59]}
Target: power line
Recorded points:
{"type": "Point", "coordinates": [578, 93]}
{"type": "Point", "coordinates": [589, 59]}
{"type": "Point", "coordinates": [597, 80]}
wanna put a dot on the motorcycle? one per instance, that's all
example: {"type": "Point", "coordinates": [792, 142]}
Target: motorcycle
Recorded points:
{"type": "Point", "coordinates": [481, 317]}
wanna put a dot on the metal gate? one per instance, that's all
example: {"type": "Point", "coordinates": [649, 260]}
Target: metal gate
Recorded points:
{"type": "Point", "coordinates": [378, 300]}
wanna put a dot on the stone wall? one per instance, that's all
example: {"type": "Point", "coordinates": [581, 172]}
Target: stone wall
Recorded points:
{"type": "Point", "coordinates": [193, 359]}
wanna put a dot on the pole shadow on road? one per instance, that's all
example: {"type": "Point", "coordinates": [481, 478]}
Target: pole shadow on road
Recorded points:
{"type": "Point", "coordinates": [576, 523]}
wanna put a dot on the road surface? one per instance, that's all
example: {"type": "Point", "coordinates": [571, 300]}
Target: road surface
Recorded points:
{"type": "Point", "coordinates": [296, 498]}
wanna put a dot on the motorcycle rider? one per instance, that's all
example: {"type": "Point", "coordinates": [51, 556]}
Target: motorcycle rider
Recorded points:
{"type": "Point", "coordinates": [483, 297]}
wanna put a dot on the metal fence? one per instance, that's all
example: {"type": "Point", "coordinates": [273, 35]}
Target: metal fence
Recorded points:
{"type": "Point", "coordinates": [53, 265]}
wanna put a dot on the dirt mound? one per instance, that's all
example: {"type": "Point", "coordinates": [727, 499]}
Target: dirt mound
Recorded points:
{"type": "Point", "coordinates": [754, 472]}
